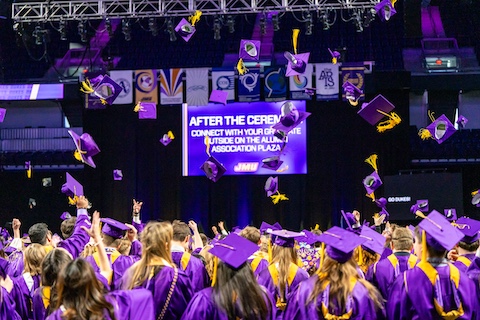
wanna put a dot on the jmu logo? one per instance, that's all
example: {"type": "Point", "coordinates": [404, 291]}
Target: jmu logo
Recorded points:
{"type": "Point", "coordinates": [246, 167]}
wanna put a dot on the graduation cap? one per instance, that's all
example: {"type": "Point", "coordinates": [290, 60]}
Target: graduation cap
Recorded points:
{"type": "Point", "coordinates": [167, 138]}
{"type": "Point", "coordinates": [470, 228]}
{"type": "Point", "coordinates": [375, 110]}
{"type": "Point", "coordinates": [462, 121]}
{"type": "Point", "coordinates": [335, 56]}
{"type": "Point", "coordinates": [374, 240]}
{"type": "Point", "coordinates": [72, 187]}
{"type": "Point", "coordinates": [450, 214]}
{"type": "Point", "coordinates": [219, 96]}
{"type": "Point", "coordinates": [117, 174]}
{"type": "Point", "coordinates": [381, 202]}
{"type": "Point", "coordinates": [271, 186]}
{"type": "Point", "coordinates": [3, 112]}
{"type": "Point", "coordinates": [146, 110]}
{"type": "Point", "coordinates": [285, 238]}
{"type": "Point", "coordinates": [297, 62]}
{"type": "Point", "coordinates": [385, 10]}
{"type": "Point", "coordinates": [249, 50]}
{"type": "Point", "coordinates": [102, 87]}
{"type": "Point", "coordinates": [185, 29]}
{"type": "Point", "coordinates": [46, 182]}
{"type": "Point", "coordinates": [420, 205]}
{"type": "Point", "coordinates": [476, 198]}
{"type": "Point", "coordinates": [28, 167]}
{"type": "Point", "coordinates": [308, 238]}
{"type": "Point", "coordinates": [264, 227]}
{"type": "Point", "coordinates": [340, 243]}
{"type": "Point", "coordinates": [290, 117]}
{"type": "Point", "coordinates": [349, 220]}
{"type": "Point", "coordinates": [213, 169]}
{"type": "Point", "coordinates": [32, 203]}
{"type": "Point", "coordinates": [439, 130]}
{"type": "Point", "coordinates": [113, 228]}
{"type": "Point", "coordinates": [86, 148]}
{"type": "Point", "coordinates": [233, 250]}
{"type": "Point", "coordinates": [440, 234]}
{"type": "Point", "coordinates": [272, 163]}
{"type": "Point", "coordinates": [372, 182]}
{"type": "Point", "coordinates": [352, 93]}
{"type": "Point", "coordinates": [65, 216]}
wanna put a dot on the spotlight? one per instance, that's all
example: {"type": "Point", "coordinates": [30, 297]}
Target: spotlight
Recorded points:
{"type": "Point", "coordinates": [369, 17]}
{"type": "Point", "coordinates": [152, 26]}
{"type": "Point", "coordinates": [263, 25]}
{"type": "Point", "coordinates": [63, 30]}
{"type": "Point", "coordinates": [308, 24]}
{"type": "Point", "coordinates": [357, 20]}
{"type": "Point", "coordinates": [82, 31]}
{"type": "Point", "coordinates": [108, 27]}
{"type": "Point", "coordinates": [171, 30]}
{"type": "Point", "coordinates": [38, 35]}
{"type": "Point", "coordinates": [231, 24]}
{"type": "Point", "coordinates": [324, 20]}
{"type": "Point", "coordinates": [217, 28]}
{"type": "Point", "coordinates": [126, 29]}
{"type": "Point", "coordinates": [275, 22]}
{"type": "Point", "coordinates": [18, 29]}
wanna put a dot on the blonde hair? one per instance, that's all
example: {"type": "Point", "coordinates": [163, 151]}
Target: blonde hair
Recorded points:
{"type": "Point", "coordinates": [251, 233]}
{"type": "Point", "coordinates": [284, 257]}
{"type": "Point", "coordinates": [88, 250]}
{"type": "Point", "coordinates": [124, 246]}
{"type": "Point", "coordinates": [208, 260]}
{"type": "Point", "coordinates": [33, 257]}
{"type": "Point", "coordinates": [155, 238]}
{"type": "Point", "coordinates": [368, 258]}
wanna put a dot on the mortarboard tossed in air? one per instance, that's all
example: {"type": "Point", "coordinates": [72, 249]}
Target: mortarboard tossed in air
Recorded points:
{"type": "Point", "coordinates": [385, 10]}
{"type": "Point", "coordinates": [372, 182]}
{"type": "Point", "coordinates": [213, 169]}
{"type": "Point", "coordinates": [352, 223]}
{"type": "Point", "coordinates": [340, 243]}
{"type": "Point", "coordinates": [32, 203]}
{"type": "Point", "coordinates": [439, 130]}
{"type": "Point", "coordinates": [72, 188]}
{"type": "Point", "coordinates": [297, 62]}
{"type": "Point", "coordinates": [218, 96]}
{"type": "Point", "coordinates": [272, 163]}
{"type": "Point", "coordinates": [462, 121]}
{"type": "Point", "coordinates": [450, 214]}
{"type": "Point", "coordinates": [117, 175]}
{"type": "Point", "coordinates": [382, 204]}
{"type": "Point", "coordinates": [285, 238]}
{"type": "Point", "coordinates": [28, 167]}
{"type": "Point", "coordinates": [3, 112]}
{"type": "Point", "coordinates": [476, 198]}
{"type": "Point", "coordinates": [352, 93]}
{"type": "Point", "coordinates": [167, 138]}
{"type": "Point", "coordinates": [47, 182]}
{"type": "Point", "coordinates": [146, 110]}
{"type": "Point", "coordinates": [271, 188]}
{"type": "Point", "coordinates": [65, 216]}
{"type": "Point", "coordinates": [470, 229]}
{"type": "Point", "coordinates": [374, 240]}
{"type": "Point", "coordinates": [376, 110]}
{"type": "Point", "coordinates": [249, 50]}
{"type": "Point", "coordinates": [420, 205]}
{"type": "Point", "coordinates": [113, 228]}
{"type": "Point", "coordinates": [233, 250]}
{"type": "Point", "coordinates": [265, 227]}
{"type": "Point", "coordinates": [335, 55]}
{"type": "Point", "coordinates": [290, 118]}
{"type": "Point", "coordinates": [185, 28]}
{"type": "Point", "coordinates": [86, 148]}
{"type": "Point", "coordinates": [102, 87]}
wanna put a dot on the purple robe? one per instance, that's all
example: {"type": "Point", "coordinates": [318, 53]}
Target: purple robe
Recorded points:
{"type": "Point", "coordinates": [136, 248]}
{"type": "Point", "coordinates": [462, 266]}
{"type": "Point", "coordinates": [386, 252]}
{"type": "Point", "coordinates": [128, 305]}
{"type": "Point", "coordinates": [203, 307]}
{"type": "Point", "coordinates": [298, 309]}
{"type": "Point", "coordinates": [79, 238]}
{"type": "Point", "coordinates": [39, 309]}
{"type": "Point", "coordinates": [160, 284]}
{"type": "Point", "coordinates": [195, 270]}
{"type": "Point", "coordinates": [418, 303]}
{"type": "Point", "coordinates": [23, 295]}
{"type": "Point", "coordinates": [262, 265]}
{"type": "Point", "coordinates": [7, 306]}
{"type": "Point", "coordinates": [15, 264]}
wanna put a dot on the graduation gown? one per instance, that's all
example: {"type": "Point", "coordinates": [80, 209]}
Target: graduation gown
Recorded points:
{"type": "Point", "coordinates": [15, 264]}
{"type": "Point", "coordinates": [298, 309]}
{"type": "Point", "coordinates": [203, 307]}
{"type": "Point", "coordinates": [22, 293]}
{"type": "Point", "coordinates": [418, 302]}
{"type": "Point", "coordinates": [7, 306]}
{"type": "Point", "coordinates": [128, 305]}
{"type": "Point", "coordinates": [79, 238]}
{"type": "Point", "coordinates": [193, 268]}
{"type": "Point", "coordinates": [463, 262]}
{"type": "Point", "coordinates": [258, 262]}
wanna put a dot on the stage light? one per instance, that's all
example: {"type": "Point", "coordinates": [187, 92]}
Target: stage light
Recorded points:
{"type": "Point", "coordinates": [108, 27]}
{"type": "Point", "coordinates": [38, 35]}
{"type": "Point", "coordinates": [369, 17]}
{"type": "Point", "coordinates": [171, 30]}
{"type": "Point", "coordinates": [126, 29]}
{"type": "Point", "coordinates": [323, 17]}
{"type": "Point", "coordinates": [82, 31]}
{"type": "Point", "coordinates": [63, 30]}
{"type": "Point", "coordinates": [357, 20]}
{"type": "Point", "coordinates": [217, 28]}
{"type": "Point", "coordinates": [231, 24]}
{"type": "Point", "coordinates": [152, 26]}
{"type": "Point", "coordinates": [275, 22]}
{"type": "Point", "coordinates": [308, 24]}
{"type": "Point", "coordinates": [263, 25]}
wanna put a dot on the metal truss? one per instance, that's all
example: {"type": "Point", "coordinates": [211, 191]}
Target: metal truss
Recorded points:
{"type": "Point", "coordinates": [100, 9]}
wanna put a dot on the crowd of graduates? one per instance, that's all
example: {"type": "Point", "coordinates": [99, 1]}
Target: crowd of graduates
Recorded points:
{"type": "Point", "coordinates": [104, 269]}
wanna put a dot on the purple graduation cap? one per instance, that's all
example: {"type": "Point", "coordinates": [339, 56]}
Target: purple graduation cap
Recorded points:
{"type": "Point", "coordinates": [290, 118]}
{"type": "Point", "coordinates": [185, 29]}
{"type": "Point", "coordinates": [271, 186]}
{"type": "Point", "coordinates": [352, 93]}
{"type": "Point", "coordinates": [372, 182]}
{"type": "Point", "coordinates": [234, 250]}
{"type": "Point", "coordinates": [86, 147]}
{"type": "Point", "coordinates": [441, 235]}
{"type": "Point", "coordinates": [370, 111]}
{"type": "Point", "coordinates": [385, 10]}
{"type": "Point", "coordinates": [340, 243]}
{"type": "Point", "coordinates": [264, 227]}
{"type": "Point", "coordinates": [335, 55]}
{"type": "Point", "coordinates": [117, 174]}
{"type": "Point", "coordinates": [285, 238]}
{"type": "Point", "coordinates": [349, 218]}
{"type": "Point", "coordinates": [218, 96]}
{"type": "Point", "coordinates": [470, 228]}
{"type": "Point", "coordinates": [107, 90]}
{"type": "Point", "coordinates": [72, 187]}
{"type": "Point", "coordinates": [3, 112]}
{"type": "Point", "coordinates": [462, 121]}
{"type": "Point", "coordinates": [308, 238]}
{"type": "Point", "coordinates": [441, 129]}
{"type": "Point", "coordinates": [213, 169]}
{"type": "Point", "coordinates": [374, 240]}
{"type": "Point", "coordinates": [421, 205]}
{"type": "Point", "coordinates": [167, 138]}
{"type": "Point", "coordinates": [148, 110]}
{"type": "Point", "coordinates": [476, 198]}
{"type": "Point", "coordinates": [272, 163]}
{"type": "Point", "coordinates": [249, 50]}
{"type": "Point", "coordinates": [65, 216]}
{"type": "Point", "coordinates": [113, 228]}
{"type": "Point", "coordinates": [297, 63]}
{"type": "Point", "coordinates": [450, 214]}
{"type": "Point", "coordinates": [381, 202]}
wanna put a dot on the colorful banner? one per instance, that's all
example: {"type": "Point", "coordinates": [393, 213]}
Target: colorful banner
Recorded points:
{"type": "Point", "coordinates": [224, 79]}
{"type": "Point", "coordinates": [249, 86]}
{"type": "Point", "coordinates": [171, 86]}
{"type": "Point", "coordinates": [327, 81]}
{"type": "Point", "coordinates": [124, 79]}
{"type": "Point", "coordinates": [146, 86]}
{"type": "Point", "coordinates": [299, 83]}
{"type": "Point", "coordinates": [240, 137]}
{"type": "Point", "coordinates": [275, 87]}
{"type": "Point", "coordinates": [353, 72]}
{"type": "Point", "coordinates": [197, 86]}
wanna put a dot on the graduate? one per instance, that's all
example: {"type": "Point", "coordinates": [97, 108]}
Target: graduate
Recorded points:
{"type": "Point", "coordinates": [337, 291]}
{"type": "Point", "coordinates": [283, 274]}
{"type": "Point", "coordinates": [383, 273]}
{"type": "Point", "coordinates": [233, 278]}
{"type": "Point", "coordinates": [466, 248]}
{"type": "Point", "coordinates": [7, 303]}
{"type": "Point", "coordinates": [259, 259]}
{"type": "Point", "coordinates": [434, 288]}
{"type": "Point", "coordinates": [370, 251]}
{"type": "Point", "coordinates": [191, 265]}
{"type": "Point", "coordinates": [156, 272]}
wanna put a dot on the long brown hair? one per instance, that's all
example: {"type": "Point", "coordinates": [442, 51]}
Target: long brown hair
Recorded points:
{"type": "Point", "coordinates": [81, 294]}
{"type": "Point", "coordinates": [284, 257]}
{"type": "Point", "coordinates": [368, 258]}
{"type": "Point", "coordinates": [338, 275]}
{"type": "Point", "coordinates": [238, 294]}
{"type": "Point", "coordinates": [155, 238]}
{"type": "Point", "coordinates": [33, 257]}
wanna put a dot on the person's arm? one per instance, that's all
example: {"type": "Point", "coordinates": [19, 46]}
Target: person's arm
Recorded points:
{"type": "Point", "coordinates": [136, 219]}
{"type": "Point", "coordinates": [215, 231]}
{"type": "Point", "coordinates": [197, 240]}
{"type": "Point", "coordinates": [17, 241]}
{"type": "Point", "coordinates": [222, 228]}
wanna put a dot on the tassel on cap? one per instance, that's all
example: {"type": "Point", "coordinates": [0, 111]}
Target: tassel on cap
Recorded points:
{"type": "Point", "coordinates": [86, 87]}
{"type": "Point", "coordinates": [215, 268]}
{"type": "Point", "coordinates": [295, 34]}
{"type": "Point", "coordinates": [372, 160]}
{"type": "Point", "coordinates": [193, 19]}
{"type": "Point", "coordinates": [241, 67]}
{"type": "Point", "coordinates": [206, 140]}
{"type": "Point", "coordinates": [394, 119]}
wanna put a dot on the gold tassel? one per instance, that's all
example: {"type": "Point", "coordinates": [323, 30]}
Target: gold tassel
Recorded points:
{"type": "Point", "coordinates": [270, 250]}
{"type": "Point", "coordinates": [86, 87]}
{"type": "Point", "coordinates": [241, 67]}
{"type": "Point", "coordinates": [295, 34]}
{"type": "Point", "coordinates": [206, 140]}
{"type": "Point", "coordinates": [393, 2]}
{"type": "Point", "coordinates": [430, 115]}
{"type": "Point", "coordinates": [72, 201]}
{"type": "Point", "coordinates": [170, 135]}
{"type": "Point", "coordinates": [193, 19]}
{"type": "Point", "coordinates": [29, 173]}
{"type": "Point", "coordinates": [474, 193]}
{"type": "Point", "coordinates": [276, 198]}
{"type": "Point", "coordinates": [317, 227]}
{"type": "Point", "coordinates": [353, 102]}
{"type": "Point", "coordinates": [371, 196]}
{"type": "Point", "coordinates": [334, 60]}
{"type": "Point", "coordinates": [215, 268]}
{"type": "Point", "coordinates": [424, 134]}
{"type": "Point", "coordinates": [394, 119]}
{"type": "Point", "coordinates": [424, 246]}
{"type": "Point", "coordinates": [372, 160]}
{"type": "Point", "coordinates": [138, 107]}
{"type": "Point", "coordinates": [322, 257]}
{"type": "Point", "coordinates": [360, 256]}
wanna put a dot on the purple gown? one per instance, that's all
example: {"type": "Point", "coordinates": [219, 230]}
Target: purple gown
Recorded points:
{"type": "Point", "coordinates": [203, 307]}
{"type": "Point", "coordinates": [79, 238]}
{"type": "Point", "coordinates": [136, 248]}
{"type": "Point", "coordinates": [160, 285]}
{"type": "Point", "coordinates": [298, 309]}
{"type": "Point", "coordinates": [463, 266]}
{"type": "Point", "coordinates": [195, 269]}
{"type": "Point", "coordinates": [22, 294]}
{"type": "Point", "coordinates": [258, 264]}
{"type": "Point", "coordinates": [7, 306]}
{"type": "Point", "coordinates": [418, 303]}
{"type": "Point", "coordinates": [128, 305]}
{"type": "Point", "coordinates": [15, 264]}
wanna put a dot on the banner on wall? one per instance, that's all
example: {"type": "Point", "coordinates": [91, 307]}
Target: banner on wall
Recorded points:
{"type": "Point", "coordinates": [249, 86]}
{"type": "Point", "coordinates": [197, 86]}
{"type": "Point", "coordinates": [146, 87]}
{"type": "Point", "coordinates": [353, 72]}
{"type": "Point", "coordinates": [171, 86]}
{"type": "Point", "coordinates": [327, 81]}
{"type": "Point", "coordinates": [224, 79]}
{"type": "Point", "coordinates": [275, 86]}
{"type": "Point", "coordinates": [124, 79]}
{"type": "Point", "coordinates": [299, 83]}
